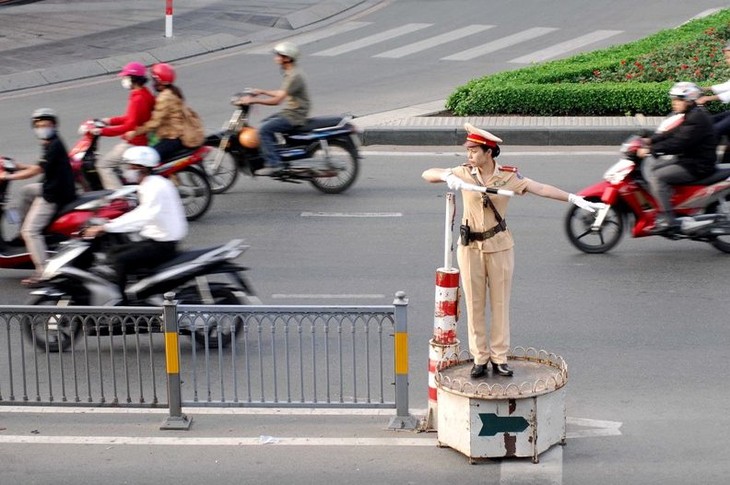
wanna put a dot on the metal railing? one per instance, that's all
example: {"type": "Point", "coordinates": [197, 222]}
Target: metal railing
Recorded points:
{"type": "Point", "coordinates": [227, 355]}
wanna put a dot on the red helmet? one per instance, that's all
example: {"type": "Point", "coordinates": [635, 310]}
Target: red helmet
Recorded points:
{"type": "Point", "coordinates": [133, 69]}
{"type": "Point", "coordinates": [163, 73]}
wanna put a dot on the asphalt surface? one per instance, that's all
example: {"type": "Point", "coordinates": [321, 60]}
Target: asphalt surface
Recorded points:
{"type": "Point", "coordinates": [54, 41]}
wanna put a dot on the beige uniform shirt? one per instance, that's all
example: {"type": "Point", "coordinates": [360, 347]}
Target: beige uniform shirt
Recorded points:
{"type": "Point", "coordinates": [480, 218]}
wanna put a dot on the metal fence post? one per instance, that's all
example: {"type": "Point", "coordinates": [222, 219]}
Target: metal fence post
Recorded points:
{"type": "Point", "coordinates": [402, 419]}
{"type": "Point", "coordinates": [176, 419]}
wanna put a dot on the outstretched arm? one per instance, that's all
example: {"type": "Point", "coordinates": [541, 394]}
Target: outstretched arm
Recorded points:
{"type": "Point", "coordinates": [551, 192]}
{"type": "Point", "coordinates": [435, 175]}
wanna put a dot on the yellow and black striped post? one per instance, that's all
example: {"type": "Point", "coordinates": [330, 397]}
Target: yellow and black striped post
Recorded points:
{"type": "Point", "coordinates": [176, 419]}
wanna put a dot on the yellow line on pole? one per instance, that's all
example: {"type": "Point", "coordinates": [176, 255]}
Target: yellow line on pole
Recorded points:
{"type": "Point", "coordinates": [401, 353]}
{"type": "Point", "coordinates": [171, 353]}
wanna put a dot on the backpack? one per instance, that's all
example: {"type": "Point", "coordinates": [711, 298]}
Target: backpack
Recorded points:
{"type": "Point", "coordinates": [193, 134]}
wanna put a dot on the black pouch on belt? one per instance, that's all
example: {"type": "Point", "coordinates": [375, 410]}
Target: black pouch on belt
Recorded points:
{"type": "Point", "coordinates": [465, 234]}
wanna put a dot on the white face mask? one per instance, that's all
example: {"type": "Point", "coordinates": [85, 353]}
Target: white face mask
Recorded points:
{"type": "Point", "coordinates": [131, 176]}
{"type": "Point", "coordinates": [44, 133]}
{"type": "Point", "coordinates": [127, 82]}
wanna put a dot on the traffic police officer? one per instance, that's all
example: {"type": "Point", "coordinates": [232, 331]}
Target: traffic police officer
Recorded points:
{"type": "Point", "coordinates": [485, 253]}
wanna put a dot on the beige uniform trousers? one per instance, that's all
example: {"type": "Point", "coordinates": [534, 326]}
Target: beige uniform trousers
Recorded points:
{"type": "Point", "coordinates": [481, 271]}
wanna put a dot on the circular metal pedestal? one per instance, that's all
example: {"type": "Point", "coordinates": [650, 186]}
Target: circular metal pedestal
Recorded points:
{"type": "Point", "coordinates": [495, 416]}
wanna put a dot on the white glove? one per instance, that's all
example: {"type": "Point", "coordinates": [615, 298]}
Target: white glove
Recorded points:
{"type": "Point", "coordinates": [454, 182]}
{"type": "Point", "coordinates": [584, 204]}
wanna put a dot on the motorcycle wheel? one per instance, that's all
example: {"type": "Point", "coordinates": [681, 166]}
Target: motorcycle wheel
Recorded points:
{"type": "Point", "coordinates": [213, 330]}
{"type": "Point", "coordinates": [341, 168]}
{"type": "Point", "coordinates": [721, 243]}
{"type": "Point", "coordinates": [578, 227]}
{"type": "Point", "coordinates": [57, 332]}
{"type": "Point", "coordinates": [224, 176]}
{"type": "Point", "coordinates": [195, 192]}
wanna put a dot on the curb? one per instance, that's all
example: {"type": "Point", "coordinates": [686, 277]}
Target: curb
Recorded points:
{"type": "Point", "coordinates": [410, 136]}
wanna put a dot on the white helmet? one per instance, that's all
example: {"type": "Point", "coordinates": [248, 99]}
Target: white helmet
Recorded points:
{"type": "Point", "coordinates": [686, 91]}
{"type": "Point", "coordinates": [287, 49]}
{"type": "Point", "coordinates": [142, 156]}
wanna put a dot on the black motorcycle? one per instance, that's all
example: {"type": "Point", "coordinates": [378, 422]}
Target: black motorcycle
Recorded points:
{"type": "Point", "coordinates": [79, 276]}
{"type": "Point", "coordinates": [323, 152]}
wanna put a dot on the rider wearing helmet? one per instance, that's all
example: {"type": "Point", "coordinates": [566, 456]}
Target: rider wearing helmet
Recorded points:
{"type": "Point", "coordinates": [720, 92]}
{"type": "Point", "coordinates": [159, 218]}
{"type": "Point", "coordinates": [41, 201]}
{"type": "Point", "coordinates": [293, 92]}
{"type": "Point", "coordinates": [167, 121]}
{"type": "Point", "coordinates": [139, 110]}
{"type": "Point", "coordinates": [692, 144]}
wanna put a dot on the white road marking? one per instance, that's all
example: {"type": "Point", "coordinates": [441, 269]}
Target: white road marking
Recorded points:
{"type": "Point", "coordinates": [207, 410]}
{"type": "Point", "coordinates": [434, 41]}
{"type": "Point", "coordinates": [546, 152]}
{"type": "Point", "coordinates": [308, 38]}
{"type": "Point", "coordinates": [351, 214]}
{"type": "Point", "coordinates": [597, 428]}
{"type": "Point", "coordinates": [214, 441]}
{"type": "Point", "coordinates": [498, 44]}
{"type": "Point", "coordinates": [325, 296]}
{"type": "Point", "coordinates": [371, 40]}
{"type": "Point", "coordinates": [565, 47]}
{"type": "Point", "coordinates": [520, 471]}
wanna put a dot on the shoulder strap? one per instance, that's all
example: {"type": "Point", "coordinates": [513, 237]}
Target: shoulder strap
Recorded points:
{"type": "Point", "coordinates": [488, 203]}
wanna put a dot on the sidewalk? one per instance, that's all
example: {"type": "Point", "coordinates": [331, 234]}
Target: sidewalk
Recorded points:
{"type": "Point", "coordinates": [52, 41]}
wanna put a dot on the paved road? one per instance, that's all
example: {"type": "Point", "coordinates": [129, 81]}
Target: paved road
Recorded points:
{"type": "Point", "coordinates": [642, 329]}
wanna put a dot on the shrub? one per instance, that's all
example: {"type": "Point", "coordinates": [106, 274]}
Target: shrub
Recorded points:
{"type": "Point", "coordinates": [620, 80]}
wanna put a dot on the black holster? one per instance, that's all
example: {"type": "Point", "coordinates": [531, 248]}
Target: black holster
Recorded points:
{"type": "Point", "coordinates": [465, 233]}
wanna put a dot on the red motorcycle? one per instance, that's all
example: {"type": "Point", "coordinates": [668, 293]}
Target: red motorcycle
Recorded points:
{"type": "Point", "coordinates": [68, 221]}
{"type": "Point", "coordinates": [702, 207]}
{"type": "Point", "coordinates": [184, 168]}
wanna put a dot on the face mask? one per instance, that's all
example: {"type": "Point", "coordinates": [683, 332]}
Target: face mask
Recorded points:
{"type": "Point", "coordinates": [131, 176]}
{"type": "Point", "coordinates": [127, 82]}
{"type": "Point", "coordinates": [44, 133]}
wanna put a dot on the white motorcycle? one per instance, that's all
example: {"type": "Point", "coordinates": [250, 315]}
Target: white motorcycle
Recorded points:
{"type": "Point", "coordinates": [78, 275]}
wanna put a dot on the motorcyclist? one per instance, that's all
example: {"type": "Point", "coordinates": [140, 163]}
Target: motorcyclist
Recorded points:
{"type": "Point", "coordinates": [139, 110]}
{"type": "Point", "coordinates": [720, 92]}
{"type": "Point", "coordinates": [159, 218]}
{"type": "Point", "coordinates": [294, 92]}
{"type": "Point", "coordinates": [692, 144]}
{"type": "Point", "coordinates": [167, 121]}
{"type": "Point", "coordinates": [41, 201]}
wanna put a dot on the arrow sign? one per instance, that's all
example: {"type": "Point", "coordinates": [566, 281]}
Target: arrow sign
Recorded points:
{"type": "Point", "coordinates": [493, 424]}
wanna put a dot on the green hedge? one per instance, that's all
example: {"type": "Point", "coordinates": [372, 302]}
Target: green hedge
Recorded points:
{"type": "Point", "coordinates": [620, 80]}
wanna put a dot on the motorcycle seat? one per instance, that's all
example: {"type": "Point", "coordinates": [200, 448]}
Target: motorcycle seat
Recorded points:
{"type": "Point", "coordinates": [720, 173]}
{"type": "Point", "coordinates": [180, 258]}
{"type": "Point", "coordinates": [82, 199]}
{"type": "Point", "coordinates": [183, 152]}
{"type": "Point", "coordinates": [319, 123]}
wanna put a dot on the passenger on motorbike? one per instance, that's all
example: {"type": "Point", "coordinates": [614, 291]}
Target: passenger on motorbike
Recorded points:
{"type": "Point", "coordinates": [167, 121]}
{"type": "Point", "coordinates": [159, 218]}
{"type": "Point", "coordinates": [139, 110]}
{"type": "Point", "coordinates": [720, 92]}
{"type": "Point", "coordinates": [294, 92]}
{"type": "Point", "coordinates": [692, 144]}
{"type": "Point", "coordinates": [41, 201]}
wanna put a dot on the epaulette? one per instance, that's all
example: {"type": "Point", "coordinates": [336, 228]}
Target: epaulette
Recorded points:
{"type": "Point", "coordinates": [507, 168]}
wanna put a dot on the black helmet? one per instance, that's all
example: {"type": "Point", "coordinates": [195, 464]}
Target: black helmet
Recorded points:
{"type": "Point", "coordinates": [44, 114]}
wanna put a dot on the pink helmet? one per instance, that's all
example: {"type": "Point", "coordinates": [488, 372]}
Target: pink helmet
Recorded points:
{"type": "Point", "coordinates": [134, 69]}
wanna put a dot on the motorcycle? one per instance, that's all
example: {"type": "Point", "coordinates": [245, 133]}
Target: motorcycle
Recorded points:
{"type": "Point", "coordinates": [702, 207]}
{"type": "Point", "coordinates": [69, 219]}
{"type": "Point", "coordinates": [323, 152]}
{"type": "Point", "coordinates": [184, 168]}
{"type": "Point", "coordinates": [78, 275]}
